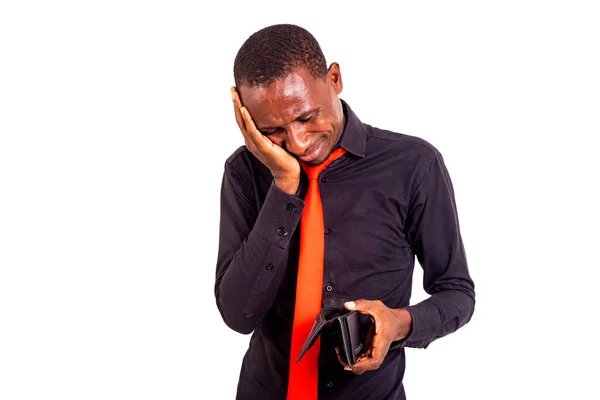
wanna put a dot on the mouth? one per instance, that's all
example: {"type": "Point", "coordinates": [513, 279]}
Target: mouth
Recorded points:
{"type": "Point", "coordinates": [312, 153]}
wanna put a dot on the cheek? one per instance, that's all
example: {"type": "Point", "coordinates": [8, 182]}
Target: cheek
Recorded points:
{"type": "Point", "coordinates": [277, 139]}
{"type": "Point", "coordinates": [322, 126]}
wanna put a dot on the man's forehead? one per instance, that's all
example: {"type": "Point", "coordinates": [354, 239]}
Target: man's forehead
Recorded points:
{"type": "Point", "coordinates": [280, 113]}
{"type": "Point", "coordinates": [292, 87]}
{"type": "Point", "coordinates": [285, 98]}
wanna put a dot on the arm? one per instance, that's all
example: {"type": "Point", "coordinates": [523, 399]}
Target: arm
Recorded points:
{"type": "Point", "coordinates": [253, 243]}
{"type": "Point", "coordinates": [434, 235]}
{"type": "Point", "coordinates": [252, 250]}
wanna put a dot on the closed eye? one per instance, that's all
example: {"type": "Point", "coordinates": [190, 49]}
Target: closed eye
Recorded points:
{"type": "Point", "coordinates": [270, 132]}
{"type": "Point", "coordinates": [306, 119]}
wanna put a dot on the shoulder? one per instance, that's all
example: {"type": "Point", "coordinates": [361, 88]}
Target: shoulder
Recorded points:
{"type": "Point", "coordinates": [242, 161]}
{"type": "Point", "coordinates": [240, 156]}
{"type": "Point", "coordinates": [397, 141]}
{"type": "Point", "coordinates": [411, 152]}
{"type": "Point", "coordinates": [244, 170]}
{"type": "Point", "coordinates": [410, 158]}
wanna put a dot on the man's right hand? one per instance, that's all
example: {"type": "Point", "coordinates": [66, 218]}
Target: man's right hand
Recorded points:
{"type": "Point", "coordinates": [284, 167]}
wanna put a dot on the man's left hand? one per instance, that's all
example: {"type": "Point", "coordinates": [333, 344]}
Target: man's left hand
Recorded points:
{"type": "Point", "coordinates": [389, 325]}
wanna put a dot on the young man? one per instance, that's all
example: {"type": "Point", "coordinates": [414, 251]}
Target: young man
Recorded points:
{"type": "Point", "coordinates": [346, 237]}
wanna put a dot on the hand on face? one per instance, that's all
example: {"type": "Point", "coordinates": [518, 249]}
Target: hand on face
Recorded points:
{"type": "Point", "coordinates": [389, 325]}
{"type": "Point", "coordinates": [284, 167]}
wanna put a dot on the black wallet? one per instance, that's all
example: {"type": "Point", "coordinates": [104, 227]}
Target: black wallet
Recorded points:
{"type": "Point", "coordinates": [345, 326]}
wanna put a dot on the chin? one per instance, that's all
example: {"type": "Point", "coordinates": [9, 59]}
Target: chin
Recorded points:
{"type": "Point", "coordinates": [325, 151]}
{"type": "Point", "coordinates": [319, 160]}
{"type": "Point", "coordinates": [315, 162]}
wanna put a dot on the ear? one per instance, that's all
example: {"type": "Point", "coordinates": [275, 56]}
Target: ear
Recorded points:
{"type": "Point", "coordinates": [335, 77]}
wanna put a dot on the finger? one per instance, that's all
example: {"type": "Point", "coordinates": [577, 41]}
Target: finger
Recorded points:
{"type": "Point", "coordinates": [359, 305]}
{"type": "Point", "coordinates": [251, 131]}
{"type": "Point", "coordinates": [237, 104]}
{"type": "Point", "coordinates": [366, 354]}
{"type": "Point", "coordinates": [370, 307]}
{"type": "Point", "coordinates": [368, 344]}
{"type": "Point", "coordinates": [376, 354]}
{"type": "Point", "coordinates": [363, 306]}
{"type": "Point", "coordinates": [371, 359]}
{"type": "Point", "coordinates": [235, 96]}
{"type": "Point", "coordinates": [342, 361]}
{"type": "Point", "coordinates": [366, 364]}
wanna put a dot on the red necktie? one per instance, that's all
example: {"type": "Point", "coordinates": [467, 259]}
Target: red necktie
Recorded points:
{"type": "Point", "coordinates": [304, 376]}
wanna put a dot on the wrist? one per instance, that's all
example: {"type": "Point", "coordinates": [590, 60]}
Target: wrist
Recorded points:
{"type": "Point", "coordinates": [288, 185]}
{"type": "Point", "coordinates": [404, 320]}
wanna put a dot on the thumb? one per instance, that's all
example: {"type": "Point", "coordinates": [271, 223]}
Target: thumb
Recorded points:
{"type": "Point", "coordinates": [358, 305]}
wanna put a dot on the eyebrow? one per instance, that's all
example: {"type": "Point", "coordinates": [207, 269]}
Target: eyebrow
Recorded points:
{"type": "Point", "coordinates": [304, 115]}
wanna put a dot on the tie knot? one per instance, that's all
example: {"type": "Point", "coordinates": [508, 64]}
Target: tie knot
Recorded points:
{"type": "Point", "coordinates": [313, 172]}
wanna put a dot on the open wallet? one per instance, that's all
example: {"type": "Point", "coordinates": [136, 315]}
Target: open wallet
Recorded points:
{"type": "Point", "coordinates": [345, 327]}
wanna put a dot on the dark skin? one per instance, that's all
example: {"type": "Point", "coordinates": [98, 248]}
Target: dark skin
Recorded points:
{"type": "Point", "coordinates": [300, 117]}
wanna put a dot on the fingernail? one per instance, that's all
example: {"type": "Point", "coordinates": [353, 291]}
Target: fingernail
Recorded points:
{"type": "Point", "coordinates": [350, 304]}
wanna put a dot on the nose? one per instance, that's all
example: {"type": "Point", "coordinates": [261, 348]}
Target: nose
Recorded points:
{"type": "Point", "coordinates": [297, 140]}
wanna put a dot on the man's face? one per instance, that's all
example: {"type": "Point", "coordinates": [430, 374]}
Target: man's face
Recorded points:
{"type": "Point", "coordinates": [299, 113]}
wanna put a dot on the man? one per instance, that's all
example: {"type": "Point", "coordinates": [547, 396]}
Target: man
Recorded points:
{"type": "Point", "coordinates": [384, 199]}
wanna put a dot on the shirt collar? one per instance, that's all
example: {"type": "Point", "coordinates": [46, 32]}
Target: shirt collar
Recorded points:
{"type": "Point", "coordinates": [354, 136]}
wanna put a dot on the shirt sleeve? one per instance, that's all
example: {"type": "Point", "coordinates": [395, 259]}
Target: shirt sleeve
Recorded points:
{"type": "Point", "coordinates": [253, 243]}
{"type": "Point", "coordinates": [434, 235]}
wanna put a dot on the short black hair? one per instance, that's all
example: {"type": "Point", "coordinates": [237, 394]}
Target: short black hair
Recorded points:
{"type": "Point", "coordinates": [273, 52]}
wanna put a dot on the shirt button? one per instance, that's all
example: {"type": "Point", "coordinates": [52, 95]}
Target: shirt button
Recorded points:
{"type": "Point", "coordinates": [290, 206]}
{"type": "Point", "coordinates": [327, 231]}
{"type": "Point", "coordinates": [329, 288]}
{"type": "Point", "coordinates": [329, 384]}
{"type": "Point", "coordinates": [269, 267]}
{"type": "Point", "coordinates": [323, 179]}
{"type": "Point", "coordinates": [281, 232]}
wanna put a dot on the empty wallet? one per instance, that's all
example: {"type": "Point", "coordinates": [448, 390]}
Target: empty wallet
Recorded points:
{"type": "Point", "coordinates": [346, 328]}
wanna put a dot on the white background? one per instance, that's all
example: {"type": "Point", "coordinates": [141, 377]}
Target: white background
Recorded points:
{"type": "Point", "coordinates": [115, 121]}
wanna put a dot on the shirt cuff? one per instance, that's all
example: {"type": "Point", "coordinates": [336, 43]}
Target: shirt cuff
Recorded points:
{"type": "Point", "coordinates": [279, 216]}
{"type": "Point", "coordinates": [420, 331]}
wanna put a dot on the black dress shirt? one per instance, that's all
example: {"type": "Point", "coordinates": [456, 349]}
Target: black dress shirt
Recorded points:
{"type": "Point", "coordinates": [387, 200]}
